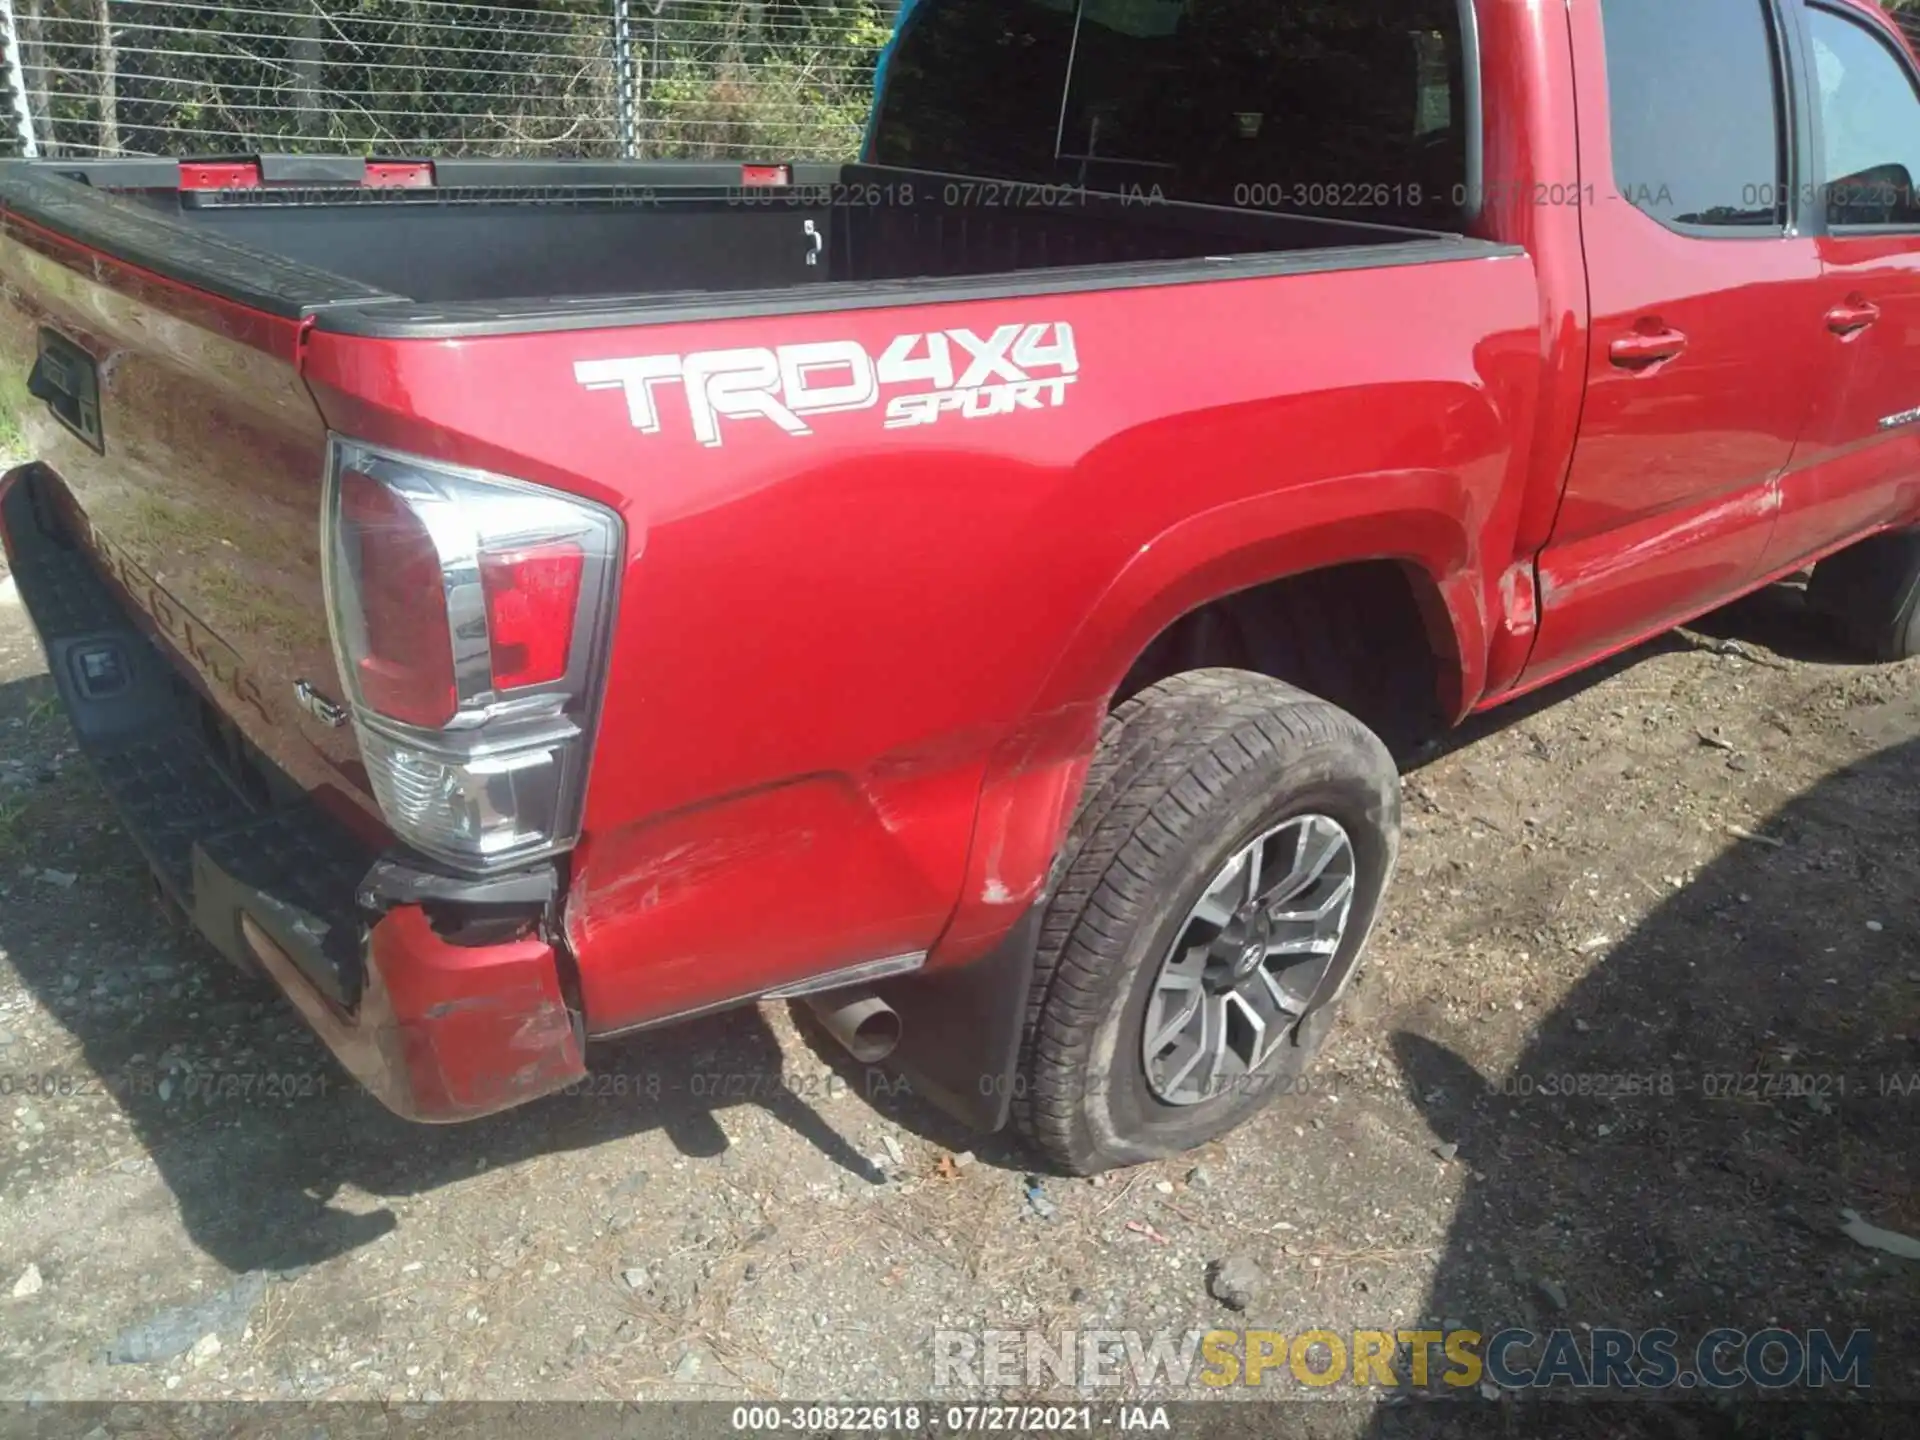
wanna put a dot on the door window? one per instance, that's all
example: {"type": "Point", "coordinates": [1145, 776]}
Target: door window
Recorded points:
{"type": "Point", "coordinates": [1869, 124]}
{"type": "Point", "coordinates": [1697, 119]}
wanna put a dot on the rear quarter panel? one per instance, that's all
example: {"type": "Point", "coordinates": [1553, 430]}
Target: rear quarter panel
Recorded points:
{"type": "Point", "coordinates": [858, 673]}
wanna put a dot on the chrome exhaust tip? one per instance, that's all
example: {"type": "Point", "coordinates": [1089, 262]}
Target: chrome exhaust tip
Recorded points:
{"type": "Point", "coordinates": [866, 1027]}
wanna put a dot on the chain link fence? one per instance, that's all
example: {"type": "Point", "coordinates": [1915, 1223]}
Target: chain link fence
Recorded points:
{"type": "Point", "coordinates": [643, 78]}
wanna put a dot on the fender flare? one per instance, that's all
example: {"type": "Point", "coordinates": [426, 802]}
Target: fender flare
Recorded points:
{"type": "Point", "coordinates": [1032, 784]}
{"type": "Point", "coordinates": [1419, 518]}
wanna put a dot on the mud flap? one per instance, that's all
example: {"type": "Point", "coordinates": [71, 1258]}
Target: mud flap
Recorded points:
{"type": "Point", "coordinates": [960, 1028]}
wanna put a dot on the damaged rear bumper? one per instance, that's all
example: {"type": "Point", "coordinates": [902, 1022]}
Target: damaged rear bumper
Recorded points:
{"type": "Point", "coordinates": [442, 1031]}
{"type": "Point", "coordinates": [438, 1028]}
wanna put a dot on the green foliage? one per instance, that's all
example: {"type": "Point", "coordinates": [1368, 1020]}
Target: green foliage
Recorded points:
{"type": "Point", "coordinates": [775, 80]}
{"type": "Point", "coordinates": [706, 77]}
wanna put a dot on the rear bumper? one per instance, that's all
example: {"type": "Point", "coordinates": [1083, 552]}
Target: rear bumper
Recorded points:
{"type": "Point", "coordinates": [437, 1030]}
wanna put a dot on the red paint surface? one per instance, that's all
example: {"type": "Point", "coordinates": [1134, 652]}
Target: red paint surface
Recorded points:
{"type": "Point", "coordinates": [857, 676]}
{"type": "Point", "coordinates": [836, 652]}
{"type": "Point", "coordinates": [405, 175]}
{"type": "Point", "coordinates": [219, 175]}
{"type": "Point", "coordinates": [203, 509]}
{"type": "Point", "coordinates": [245, 174]}
{"type": "Point", "coordinates": [444, 1032]}
{"type": "Point", "coordinates": [1752, 451]}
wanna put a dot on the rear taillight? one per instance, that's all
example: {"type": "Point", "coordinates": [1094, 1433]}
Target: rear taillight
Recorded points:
{"type": "Point", "coordinates": [532, 595]}
{"type": "Point", "coordinates": [403, 650]}
{"type": "Point", "coordinates": [469, 617]}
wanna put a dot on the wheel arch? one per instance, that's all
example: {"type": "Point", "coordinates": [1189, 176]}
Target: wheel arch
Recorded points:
{"type": "Point", "coordinates": [1420, 523]}
{"type": "Point", "coordinates": [1414, 521]}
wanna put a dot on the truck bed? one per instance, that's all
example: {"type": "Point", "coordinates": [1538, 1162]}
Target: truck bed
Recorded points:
{"type": "Point", "coordinates": [903, 475]}
{"type": "Point", "coordinates": [499, 233]}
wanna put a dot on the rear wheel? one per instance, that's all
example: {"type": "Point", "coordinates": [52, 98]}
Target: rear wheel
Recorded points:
{"type": "Point", "coordinates": [1871, 592]}
{"type": "Point", "coordinates": [1217, 887]}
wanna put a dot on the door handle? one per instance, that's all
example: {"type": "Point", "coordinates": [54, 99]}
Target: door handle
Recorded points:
{"type": "Point", "coordinates": [1642, 350]}
{"type": "Point", "coordinates": [1852, 317]}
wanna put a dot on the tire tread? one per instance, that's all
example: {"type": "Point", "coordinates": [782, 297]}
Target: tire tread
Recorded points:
{"type": "Point", "coordinates": [1166, 758]}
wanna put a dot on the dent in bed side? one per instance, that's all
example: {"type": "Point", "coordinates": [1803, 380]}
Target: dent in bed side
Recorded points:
{"type": "Point", "coordinates": [752, 892]}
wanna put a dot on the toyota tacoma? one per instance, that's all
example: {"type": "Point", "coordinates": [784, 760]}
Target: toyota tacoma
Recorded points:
{"type": "Point", "coordinates": [982, 588]}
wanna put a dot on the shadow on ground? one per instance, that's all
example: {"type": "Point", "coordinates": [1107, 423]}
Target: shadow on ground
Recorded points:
{"type": "Point", "coordinates": [1676, 1144]}
{"type": "Point", "coordinates": [250, 1123]}
{"type": "Point", "coordinates": [1778, 619]}
{"type": "Point", "coordinates": [1775, 620]}
{"type": "Point", "coordinates": [1713, 1204]}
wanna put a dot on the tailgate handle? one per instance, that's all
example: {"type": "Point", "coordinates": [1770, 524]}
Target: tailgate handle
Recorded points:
{"type": "Point", "coordinates": [66, 377]}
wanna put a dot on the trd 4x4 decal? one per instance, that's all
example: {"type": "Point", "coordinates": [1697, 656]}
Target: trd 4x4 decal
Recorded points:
{"type": "Point", "coordinates": [1017, 367]}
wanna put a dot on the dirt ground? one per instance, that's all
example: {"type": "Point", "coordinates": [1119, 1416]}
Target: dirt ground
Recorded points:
{"type": "Point", "coordinates": [1697, 868]}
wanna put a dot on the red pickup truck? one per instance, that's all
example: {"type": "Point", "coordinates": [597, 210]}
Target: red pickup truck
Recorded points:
{"type": "Point", "coordinates": [980, 588]}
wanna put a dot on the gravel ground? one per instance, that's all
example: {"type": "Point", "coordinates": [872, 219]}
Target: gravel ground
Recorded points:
{"type": "Point", "coordinates": [1697, 868]}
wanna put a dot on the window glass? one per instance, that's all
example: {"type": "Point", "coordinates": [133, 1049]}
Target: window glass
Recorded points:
{"type": "Point", "coordinates": [973, 88]}
{"type": "Point", "coordinates": [1869, 124]}
{"type": "Point", "coordinates": [1355, 109]}
{"type": "Point", "coordinates": [1694, 90]}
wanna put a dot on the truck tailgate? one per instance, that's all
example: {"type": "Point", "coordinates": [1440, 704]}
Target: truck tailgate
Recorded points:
{"type": "Point", "coordinates": [177, 425]}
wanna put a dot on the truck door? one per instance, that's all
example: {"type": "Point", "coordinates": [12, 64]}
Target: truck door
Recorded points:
{"type": "Point", "coordinates": [1858, 463]}
{"type": "Point", "coordinates": [1707, 333]}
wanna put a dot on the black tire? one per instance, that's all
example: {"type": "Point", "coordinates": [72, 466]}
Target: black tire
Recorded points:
{"type": "Point", "coordinates": [1187, 773]}
{"type": "Point", "coordinates": [1871, 592]}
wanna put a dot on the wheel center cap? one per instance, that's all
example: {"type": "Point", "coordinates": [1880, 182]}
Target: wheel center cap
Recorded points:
{"type": "Point", "coordinates": [1254, 951]}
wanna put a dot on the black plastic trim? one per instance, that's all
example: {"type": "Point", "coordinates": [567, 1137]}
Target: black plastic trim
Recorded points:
{"type": "Point", "coordinates": [146, 236]}
{"type": "Point", "coordinates": [704, 174]}
{"type": "Point", "coordinates": [404, 321]}
{"type": "Point", "coordinates": [1807, 201]}
{"type": "Point", "coordinates": [144, 172]}
{"type": "Point", "coordinates": [1473, 103]}
{"type": "Point", "coordinates": [400, 878]}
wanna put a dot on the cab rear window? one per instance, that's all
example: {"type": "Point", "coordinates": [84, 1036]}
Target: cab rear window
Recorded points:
{"type": "Point", "coordinates": [1356, 109]}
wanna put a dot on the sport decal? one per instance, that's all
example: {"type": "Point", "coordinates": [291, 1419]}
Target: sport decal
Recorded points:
{"type": "Point", "coordinates": [954, 372]}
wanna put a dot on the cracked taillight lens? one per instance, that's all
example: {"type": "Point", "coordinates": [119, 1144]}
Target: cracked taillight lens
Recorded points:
{"type": "Point", "coordinates": [469, 615]}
